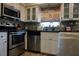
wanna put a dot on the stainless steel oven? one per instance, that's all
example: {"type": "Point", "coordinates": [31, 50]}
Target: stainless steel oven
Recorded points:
{"type": "Point", "coordinates": [16, 39]}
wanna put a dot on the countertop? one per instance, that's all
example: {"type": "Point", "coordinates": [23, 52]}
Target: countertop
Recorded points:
{"type": "Point", "coordinates": [50, 31]}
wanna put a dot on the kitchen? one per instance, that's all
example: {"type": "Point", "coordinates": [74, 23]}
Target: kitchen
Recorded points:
{"type": "Point", "coordinates": [45, 29]}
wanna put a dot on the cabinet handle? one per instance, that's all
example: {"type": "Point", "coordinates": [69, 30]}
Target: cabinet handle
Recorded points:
{"type": "Point", "coordinates": [49, 39]}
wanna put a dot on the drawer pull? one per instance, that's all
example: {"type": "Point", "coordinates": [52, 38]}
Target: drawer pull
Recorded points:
{"type": "Point", "coordinates": [49, 39]}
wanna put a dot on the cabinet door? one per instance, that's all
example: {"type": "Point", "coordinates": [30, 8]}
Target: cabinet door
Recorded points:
{"type": "Point", "coordinates": [49, 43]}
{"type": "Point", "coordinates": [43, 45]}
{"type": "Point", "coordinates": [66, 10]}
{"type": "Point", "coordinates": [51, 46]}
{"type": "Point", "coordinates": [76, 11]}
{"type": "Point", "coordinates": [33, 13]}
{"type": "Point", "coordinates": [28, 14]}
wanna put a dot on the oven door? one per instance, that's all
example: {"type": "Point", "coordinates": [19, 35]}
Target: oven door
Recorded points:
{"type": "Point", "coordinates": [16, 40]}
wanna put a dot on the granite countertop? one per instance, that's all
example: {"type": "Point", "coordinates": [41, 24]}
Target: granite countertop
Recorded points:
{"type": "Point", "coordinates": [43, 31]}
{"type": "Point", "coordinates": [51, 31]}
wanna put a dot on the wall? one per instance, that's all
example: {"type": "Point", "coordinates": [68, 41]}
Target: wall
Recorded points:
{"type": "Point", "coordinates": [21, 8]}
{"type": "Point", "coordinates": [23, 12]}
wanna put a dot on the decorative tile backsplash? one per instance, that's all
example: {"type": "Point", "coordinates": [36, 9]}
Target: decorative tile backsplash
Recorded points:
{"type": "Point", "coordinates": [50, 13]}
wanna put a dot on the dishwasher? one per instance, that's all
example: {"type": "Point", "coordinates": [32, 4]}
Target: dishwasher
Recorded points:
{"type": "Point", "coordinates": [33, 41]}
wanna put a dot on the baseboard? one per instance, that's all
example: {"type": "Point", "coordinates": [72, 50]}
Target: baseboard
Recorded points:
{"type": "Point", "coordinates": [33, 51]}
{"type": "Point", "coordinates": [48, 54]}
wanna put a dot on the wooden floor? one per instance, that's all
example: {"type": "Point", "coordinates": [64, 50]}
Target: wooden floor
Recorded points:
{"type": "Point", "coordinates": [32, 54]}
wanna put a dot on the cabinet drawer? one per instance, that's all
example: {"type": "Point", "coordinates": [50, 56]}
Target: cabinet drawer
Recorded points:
{"type": "Point", "coordinates": [70, 35]}
{"type": "Point", "coordinates": [46, 35]}
{"type": "Point", "coordinates": [49, 39]}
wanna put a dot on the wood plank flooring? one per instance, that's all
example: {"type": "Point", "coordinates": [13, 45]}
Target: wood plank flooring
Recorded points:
{"type": "Point", "coordinates": [32, 54]}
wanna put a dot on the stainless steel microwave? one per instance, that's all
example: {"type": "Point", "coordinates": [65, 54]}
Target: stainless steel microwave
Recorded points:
{"type": "Point", "coordinates": [9, 11]}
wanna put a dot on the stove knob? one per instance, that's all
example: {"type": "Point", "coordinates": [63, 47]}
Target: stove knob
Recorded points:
{"type": "Point", "coordinates": [1, 36]}
{"type": "Point", "coordinates": [5, 41]}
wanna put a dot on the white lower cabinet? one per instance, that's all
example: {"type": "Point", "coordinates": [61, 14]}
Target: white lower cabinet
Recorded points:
{"type": "Point", "coordinates": [51, 46]}
{"type": "Point", "coordinates": [43, 46]}
{"type": "Point", "coordinates": [49, 43]}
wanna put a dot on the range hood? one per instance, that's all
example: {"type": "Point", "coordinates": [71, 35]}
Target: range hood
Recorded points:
{"type": "Point", "coordinates": [32, 21]}
{"type": "Point", "coordinates": [46, 5]}
{"type": "Point", "coordinates": [40, 4]}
